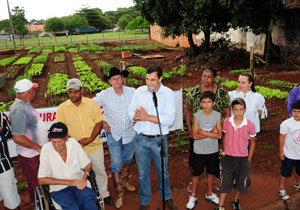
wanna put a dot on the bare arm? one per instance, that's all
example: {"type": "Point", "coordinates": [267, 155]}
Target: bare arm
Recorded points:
{"type": "Point", "coordinates": [25, 142]}
{"type": "Point", "coordinates": [188, 116]}
{"type": "Point", "coordinates": [196, 135]}
{"type": "Point", "coordinates": [252, 147]}
{"type": "Point", "coordinates": [216, 133]}
{"type": "Point", "coordinates": [53, 181]}
{"type": "Point", "coordinates": [281, 143]}
{"type": "Point", "coordinates": [259, 113]}
{"type": "Point", "coordinates": [97, 128]}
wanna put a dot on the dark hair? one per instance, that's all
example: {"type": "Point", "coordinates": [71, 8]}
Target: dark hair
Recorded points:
{"type": "Point", "coordinates": [213, 71]}
{"type": "Point", "coordinates": [250, 79]}
{"type": "Point", "coordinates": [296, 104]}
{"type": "Point", "coordinates": [208, 94]}
{"type": "Point", "coordinates": [239, 101]}
{"type": "Point", "coordinates": [155, 68]}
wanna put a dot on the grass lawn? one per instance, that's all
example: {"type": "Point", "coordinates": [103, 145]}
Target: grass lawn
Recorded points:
{"type": "Point", "coordinates": [77, 38]}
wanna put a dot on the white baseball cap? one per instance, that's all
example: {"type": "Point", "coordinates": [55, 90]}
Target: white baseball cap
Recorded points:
{"type": "Point", "coordinates": [24, 85]}
{"type": "Point", "coordinates": [74, 84]}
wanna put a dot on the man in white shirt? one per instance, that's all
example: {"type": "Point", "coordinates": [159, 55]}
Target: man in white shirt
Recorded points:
{"type": "Point", "coordinates": [119, 128]}
{"type": "Point", "coordinates": [61, 166]}
{"type": "Point", "coordinates": [147, 140]}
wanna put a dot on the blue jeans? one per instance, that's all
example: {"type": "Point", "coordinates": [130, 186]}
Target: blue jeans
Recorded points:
{"type": "Point", "coordinates": [71, 198]}
{"type": "Point", "coordinates": [145, 150]}
{"type": "Point", "coordinates": [119, 153]}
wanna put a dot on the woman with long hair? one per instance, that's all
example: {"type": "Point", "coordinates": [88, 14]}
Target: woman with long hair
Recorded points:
{"type": "Point", "coordinates": [255, 102]}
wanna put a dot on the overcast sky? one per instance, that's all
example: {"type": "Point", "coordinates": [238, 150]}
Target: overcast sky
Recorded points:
{"type": "Point", "coordinates": [43, 9]}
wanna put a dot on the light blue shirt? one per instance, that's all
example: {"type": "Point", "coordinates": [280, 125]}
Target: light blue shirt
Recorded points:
{"type": "Point", "coordinates": [115, 109]}
{"type": "Point", "coordinates": [166, 109]}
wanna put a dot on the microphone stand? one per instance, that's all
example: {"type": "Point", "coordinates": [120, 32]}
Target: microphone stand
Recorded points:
{"type": "Point", "coordinates": [162, 150]}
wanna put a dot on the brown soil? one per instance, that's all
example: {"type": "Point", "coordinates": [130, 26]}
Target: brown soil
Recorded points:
{"type": "Point", "coordinates": [265, 166]}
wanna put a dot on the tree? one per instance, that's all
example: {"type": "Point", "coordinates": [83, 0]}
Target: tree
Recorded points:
{"type": "Point", "coordinates": [4, 26]}
{"type": "Point", "coordinates": [124, 20]}
{"type": "Point", "coordinates": [71, 23]}
{"type": "Point", "coordinates": [54, 24]}
{"type": "Point", "coordinates": [138, 23]}
{"type": "Point", "coordinates": [114, 16]}
{"type": "Point", "coordinates": [180, 17]}
{"type": "Point", "coordinates": [93, 17]}
{"type": "Point", "coordinates": [19, 21]}
{"type": "Point", "coordinates": [259, 17]}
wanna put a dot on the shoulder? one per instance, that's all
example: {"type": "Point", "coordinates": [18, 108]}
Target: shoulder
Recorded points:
{"type": "Point", "coordinates": [198, 114]}
{"type": "Point", "coordinates": [141, 89]}
{"type": "Point", "coordinates": [64, 104]}
{"type": "Point", "coordinates": [131, 89]}
{"type": "Point", "coordinates": [194, 90]}
{"type": "Point", "coordinates": [295, 90]}
{"type": "Point", "coordinates": [167, 90]}
{"type": "Point", "coordinates": [217, 114]}
{"type": "Point", "coordinates": [287, 122]}
{"type": "Point", "coordinates": [46, 147]}
{"type": "Point", "coordinates": [250, 124]}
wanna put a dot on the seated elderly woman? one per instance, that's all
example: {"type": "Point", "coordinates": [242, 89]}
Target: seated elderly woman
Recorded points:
{"type": "Point", "coordinates": [61, 163]}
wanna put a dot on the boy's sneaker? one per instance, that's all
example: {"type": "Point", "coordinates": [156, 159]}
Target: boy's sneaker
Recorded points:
{"type": "Point", "coordinates": [192, 202]}
{"type": "Point", "coordinates": [236, 204]}
{"type": "Point", "coordinates": [297, 186]}
{"type": "Point", "coordinates": [213, 198]}
{"type": "Point", "coordinates": [219, 208]}
{"type": "Point", "coordinates": [283, 195]}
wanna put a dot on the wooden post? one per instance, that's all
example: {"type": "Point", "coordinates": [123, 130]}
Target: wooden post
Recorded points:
{"type": "Point", "coordinates": [122, 68]}
{"type": "Point", "coordinates": [87, 39]}
{"type": "Point", "coordinates": [103, 35]}
{"type": "Point", "coordinates": [252, 61]}
{"type": "Point", "coordinates": [23, 43]}
{"type": "Point", "coordinates": [119, 35]}
{"type": "Point", "coordinates": [71, 39]}
{"type": "Point", "coordinates": [286, 54]}
{"type": "Point", "coordinates": [39, 41]}
{"type": "Point", "coordinates": [55, 39]}
{"type": "Point", "coordinates": [5, 43]}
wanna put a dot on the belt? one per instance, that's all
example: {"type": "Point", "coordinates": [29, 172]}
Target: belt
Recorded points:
{"type": "Point", "coordinates": [150, 136]}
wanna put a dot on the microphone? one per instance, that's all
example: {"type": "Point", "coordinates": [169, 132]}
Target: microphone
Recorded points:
{"type": "Point", "coordinates": [154, 96]}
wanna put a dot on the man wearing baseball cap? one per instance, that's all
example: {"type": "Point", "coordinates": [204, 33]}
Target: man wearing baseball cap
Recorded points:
{"type": "Point", "coordinates": [29, 132]}
{"type": "Point", "coordinates": [84, 120]}
{"type": "Point", "coordinates": [61, 163]}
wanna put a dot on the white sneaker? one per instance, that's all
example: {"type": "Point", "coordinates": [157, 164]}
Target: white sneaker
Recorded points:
{"type": "Point", "coordinates": [192, 202]}
{"type": "Point", "coordinates": [282, 194]}
{"type": "Point", "coordinates": [213, 198]}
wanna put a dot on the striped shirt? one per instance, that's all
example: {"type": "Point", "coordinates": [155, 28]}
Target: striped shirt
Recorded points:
{"type": "Point", "coordinates": [115, 109]}
{"type": "Point", "coordinates": [5, 163]}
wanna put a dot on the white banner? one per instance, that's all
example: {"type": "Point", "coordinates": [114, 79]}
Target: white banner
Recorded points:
{"type": "Point", "coordinates": [49, 117]}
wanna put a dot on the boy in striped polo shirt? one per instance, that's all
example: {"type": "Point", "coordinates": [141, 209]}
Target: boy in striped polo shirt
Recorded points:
{"type": "Point", "coordinates": [236, 163]}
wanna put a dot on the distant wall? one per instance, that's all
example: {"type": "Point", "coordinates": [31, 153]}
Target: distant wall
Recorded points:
{"type": "Point", "coordinates": [285, 34]}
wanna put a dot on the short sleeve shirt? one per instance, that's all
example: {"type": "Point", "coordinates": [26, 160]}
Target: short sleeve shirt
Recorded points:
{"type": "Point", "coordinates": [26, 121]}
{"type": "Point", "coordinates": [291, 147]}
{"type": "Point", "coordinates": [254, 102]}
{"type": "Point", "coordinates": [222, 99]}
{"type": "Point", "coordinates": [52, 165]}
{"type": "Point", "coordinates": [206, 123]}
{"type": "Point", "coordinates": [81, 120]}
{"type": "Point", "coordinates": [237, 138]}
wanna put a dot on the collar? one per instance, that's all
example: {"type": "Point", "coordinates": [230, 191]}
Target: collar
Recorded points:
{"type": "Point", "coordinates": [160, 90]}
{"type": "Point", "coordinates": [70, 103]}
{"type": "Point", "coordinates": [231, 120]}
{"type": "Point", "coordinates": [245, 95]}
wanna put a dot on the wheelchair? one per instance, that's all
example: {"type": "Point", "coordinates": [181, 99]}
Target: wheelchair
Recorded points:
{"type": "Point", "coordinates": [43, 200]}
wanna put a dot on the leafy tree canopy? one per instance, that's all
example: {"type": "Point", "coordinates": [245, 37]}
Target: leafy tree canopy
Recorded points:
{"type": "Point", "coordinates": [114, 16]}
{"type": "Point", "coordinates": [19, 21]}
{"type": "Point", "coordinates": [4, 25]}
{"type": "Point", "coordinates": [124, 20]}
{"type": "Point", "coordinates": [54, 24]}
{"type": "Point", "coordinates": [138, 23]}
{"type": "Point", "coordinates": [74, 22]}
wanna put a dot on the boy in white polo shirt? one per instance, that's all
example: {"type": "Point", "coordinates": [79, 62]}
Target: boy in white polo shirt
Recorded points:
{"type": "Point", "coordinates": [289, 149]}
{"type": "Point", "coordinates": [236, 163]}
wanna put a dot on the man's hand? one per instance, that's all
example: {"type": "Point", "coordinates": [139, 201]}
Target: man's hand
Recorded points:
{"type": "Point", "coordinates": [106, 127]}
{"type": "Point", "coordinates": [140, 114]}
{"type": "Point", "coordinates": [281, 156]}
{"type": "Point", "coordinates": [84, 141]}
{"type": "Point", "coordinates": [80, 183]}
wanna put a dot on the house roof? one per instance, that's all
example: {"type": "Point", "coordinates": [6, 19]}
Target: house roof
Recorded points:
{"type": "Point", "coordinates": [33, 28]}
